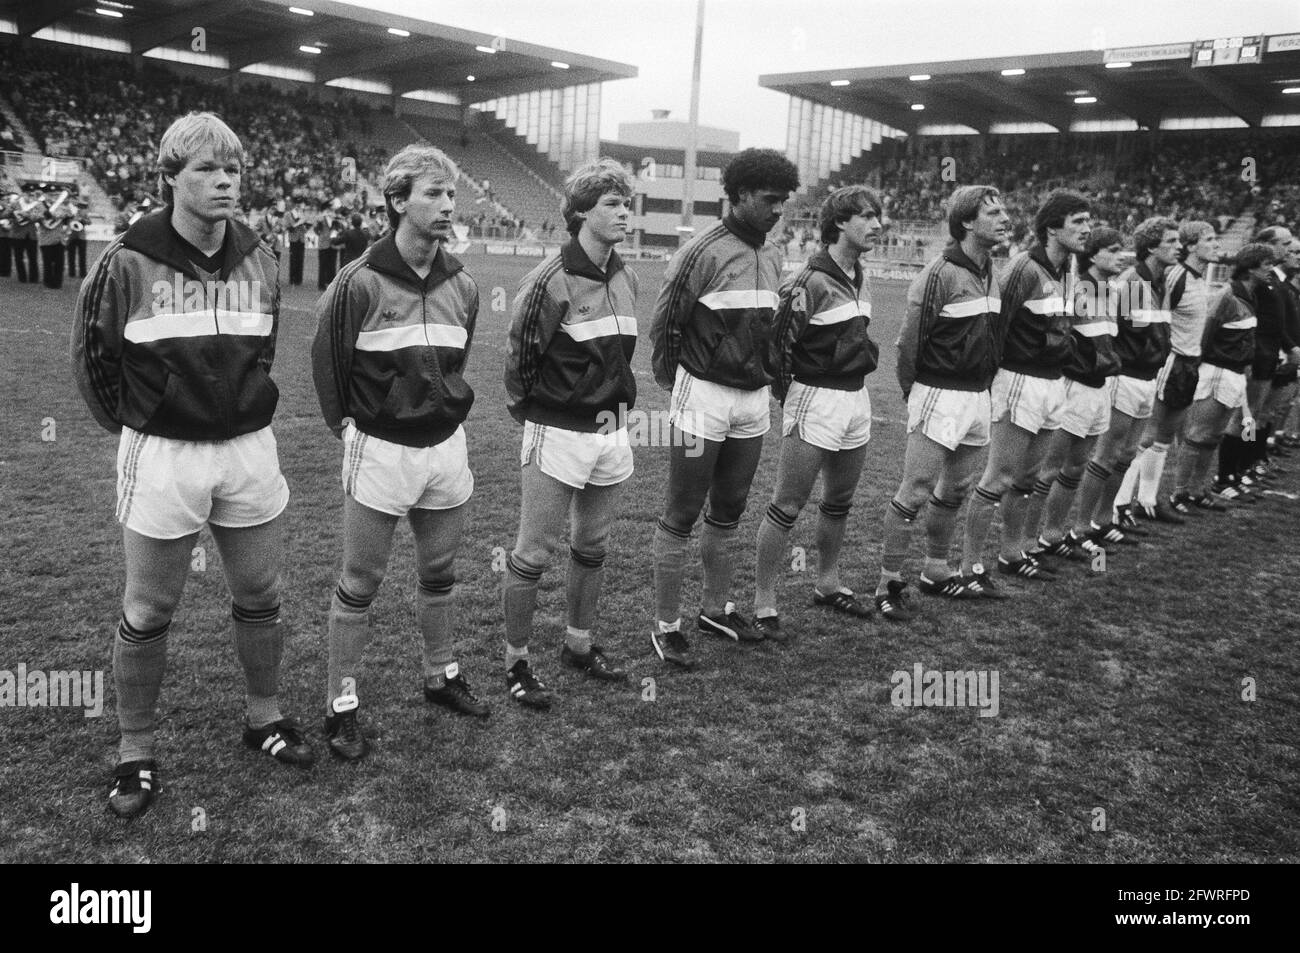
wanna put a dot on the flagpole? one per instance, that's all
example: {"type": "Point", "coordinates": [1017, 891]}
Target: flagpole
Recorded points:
{"type": "Point", "coordinates": [692, 131]}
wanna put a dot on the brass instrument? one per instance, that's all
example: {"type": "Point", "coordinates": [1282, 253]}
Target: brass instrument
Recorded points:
{"type": "Point", "coordinates": [26, 213]}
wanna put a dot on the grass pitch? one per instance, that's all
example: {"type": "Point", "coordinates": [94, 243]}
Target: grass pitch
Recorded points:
{"type": "Point", "coordinates": [1122, 733]}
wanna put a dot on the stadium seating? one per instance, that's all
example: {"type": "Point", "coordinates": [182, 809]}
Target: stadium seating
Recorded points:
{"type": "Point", "coordinates": [102, 110]}
{"type": "Point", "coordinates": [1128, 176]}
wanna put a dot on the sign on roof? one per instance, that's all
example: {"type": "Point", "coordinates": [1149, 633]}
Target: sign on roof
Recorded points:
{"type": "Point", "coordinates": [1146, 54]}
{"type": "Point", "coordinates": [1283, 41]}
{"type": "Point", "coordinates": [1228, 51]}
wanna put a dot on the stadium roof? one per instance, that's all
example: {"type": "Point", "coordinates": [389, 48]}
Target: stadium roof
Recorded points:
{"type": "Point", "coordinates": [354, 43]}
{"type": "Point", "coordinates": [1146, 85]}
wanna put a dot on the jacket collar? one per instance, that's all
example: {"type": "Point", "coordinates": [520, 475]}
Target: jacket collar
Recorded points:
{"type": "Point", "coordinates": [1246, 291]}
{"type": "Point", "coordinates": [577, 262]}
{"type": "Point", "coordinates": [384, 257]}
{"type": "Point", "coordinates": [1039, 254]}
{"type": "Point", "coordinates": [954, 254]}
{"type": "Point", "coordinates": [822, 261]}
{"type": "Point", "coordinates": [742, 231]}
{"type": "Point", "coordinates": [153, 235]}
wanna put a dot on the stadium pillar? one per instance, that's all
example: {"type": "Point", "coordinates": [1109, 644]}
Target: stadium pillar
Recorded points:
{"type": "Point", "coordinates": [692, 131]}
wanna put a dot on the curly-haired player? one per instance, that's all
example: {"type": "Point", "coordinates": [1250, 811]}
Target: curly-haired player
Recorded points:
{"type": "Point", "coordinates": [710, 332]}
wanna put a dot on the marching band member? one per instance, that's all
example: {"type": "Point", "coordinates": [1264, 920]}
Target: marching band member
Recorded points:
{"type": "Point", "coordinates": [8, 205]}
{"type": "Point", "coordinates": [23, 238]}
{"type": "Point", "coordinates": [52, 235]}
{"type": "Point", "coordinates": [77, 225]}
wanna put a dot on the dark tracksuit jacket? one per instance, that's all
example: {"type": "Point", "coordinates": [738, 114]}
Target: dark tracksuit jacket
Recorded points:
{"type": "Point", "coordinates": [1142, 326]}
{"type": "Point", "coordinates": [715, 309]}
{"type": "Point", "coordinates": [951, 335]}
{"type": "Point", "coordinates": [1276, 328]}
{"type": "Point", "coordinates": [820, 337]}
{"type": "Point", "coordinates": [1093, 327]}
{"type": "Point", "coordinates": [391, 347]}
{"type": "Point", "coordinates": [1229, 338]}
{"type": "Point", "coordinates": [1038, 341]}
{"type": "Point", "coordinates": [169, 349]}
{"type": "Point", "coordinates": [572, 334]}
{"type": "Point", "coordinates": [1288, 374]}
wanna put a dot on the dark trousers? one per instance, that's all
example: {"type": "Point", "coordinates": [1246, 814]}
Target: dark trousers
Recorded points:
{"type": "Point", "coordinates": [328, 259]}
{"type": "Point", "coordinates": [6, 257]}
{"type": "Point", "coordinates": [77, 258]}
{"type": "Point", "coordinates": [295, 263]}
{"type": "Point", "coordinates": [25, 260]}
{"type": "Point", "coordinates": [52, 263]}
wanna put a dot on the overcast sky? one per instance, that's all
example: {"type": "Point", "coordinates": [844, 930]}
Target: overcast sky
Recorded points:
{"type": "Point", "coordinates": [743, 38]}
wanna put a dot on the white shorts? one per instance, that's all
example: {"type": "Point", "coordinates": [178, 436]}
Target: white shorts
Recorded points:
{"type": "Point", "coordinates": [950, 417]}
{"type": "Point", "coordinates": [575, 458]}
{"type": "Point", "coordinates": [1225, 386]}
{"type": "Point", "coordinates": [1133, 396]}
{"type": "Point", "coordinates": [393, 478]}
{"type": "Point", "coordinates": [169, 488]}
{"type": "Point", "coordinates": [716, 412]}
{"type": "Point", "coordinates": [1033, 403]}
{"type": "Point", "coordinates": [1087, 409]}
{"type": "Point", "coordinates": [827, 418]}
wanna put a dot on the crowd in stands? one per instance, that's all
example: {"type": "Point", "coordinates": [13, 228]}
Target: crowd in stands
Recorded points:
{"type": "Point", "coordinates": [8, 137]}
{"type": "Point", "coordinates": [103, 110]}
{"type": "Point", "coordinates": [1184, 175]}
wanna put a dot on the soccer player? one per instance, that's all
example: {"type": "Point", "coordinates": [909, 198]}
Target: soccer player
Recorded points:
{"type": "Point", "coordinates": [1185, 300]}
{"type": "Point", "coordinates": [1028, 392]}
{"type": "Point", "coordinates": [1227, 353]}
{"type": "Point", "coordinates": [1142, 345]}
{"type": "Point", "coordinates": [389, 363]}
{"type": "Point", "coordinates": [570, 383]}
{"type": "Point", "coordinates": [1273, 338]}
{"type": "Point", "coordinates": [947, 356]}
{"type": "Point", "coordinates": [1092, 365]}
{"type": "Point", "coordinates": [821, 355]}
{"type": "Point", "coordinates": [1277, 407]}
{"type": "Point", "coordinates": [172, 345]}
{"type": "Point", "coordinates": [711, 327]}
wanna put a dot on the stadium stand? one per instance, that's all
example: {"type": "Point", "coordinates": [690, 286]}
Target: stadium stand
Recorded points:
{"type": "Point", "coordinates": [512, 184]}
{"type": "Point", "coordinates": [100, 109]}
{"type": "Point", "coordinates": [1129, 176]}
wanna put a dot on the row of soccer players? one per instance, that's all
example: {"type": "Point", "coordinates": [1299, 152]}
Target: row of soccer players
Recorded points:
{"type": "Point", "coordinates": [191, 395]}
